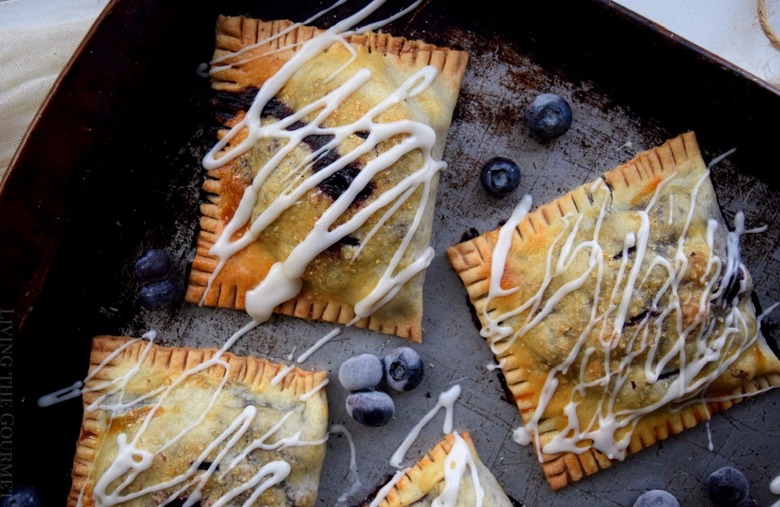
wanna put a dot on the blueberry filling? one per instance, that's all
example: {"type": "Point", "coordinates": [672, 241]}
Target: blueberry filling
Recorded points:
{"type": "Point", "coordinates": [337, 247]}
{"type": "Point", "coordinates": [275, 108]}
{"type": "Point", "coordinates": [205, 465]}
{"type": "Point", "coordinates": [638, 318]}
{"type": "Point", "coordinates": [668, 373]}
{"type": "Point", "coordinates": [733, 289]}
{"type": "Point", "coordinates": [227, 104]}
{"type": "Point", "coordinates": [179, 502]}
{"type": "Point", "coordinates": [469, 235]}
{"type": "Point", "coordinates": [336, 184]}
{"type": "Point", "coordinates": [619, 255]}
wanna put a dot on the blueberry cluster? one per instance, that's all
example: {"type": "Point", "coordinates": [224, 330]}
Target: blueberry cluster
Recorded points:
{"type": "Point", "coordinates": [364, 376]}
{"type": "Point", "coordinates": [152, 271]}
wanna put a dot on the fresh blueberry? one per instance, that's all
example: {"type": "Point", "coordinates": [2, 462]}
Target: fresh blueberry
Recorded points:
{"type": "Point", "coordinates": [727, 487]}
{"type": "Point", "coordinates": [500, 176]}
{"type": "Point", "coordinates": [656, 498]}
{"type": "Point", "coordinates": [22, 496]}
{"type": "Point", "coordinates": [370, 408]}
{"type": "Point", "coordinates": [404, 369]}
{"type": "Point", "coordinates": [548, 116]}
{"type": "Point", "coordinates": [361, 372]}
{"type": "Point", "coordinates": [152, 266]}
{"type": "Point", "coordinates": [158, 295]}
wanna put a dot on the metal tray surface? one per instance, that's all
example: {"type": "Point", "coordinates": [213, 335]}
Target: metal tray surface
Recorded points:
{"type": "Point", "coordinates": [120, 173]}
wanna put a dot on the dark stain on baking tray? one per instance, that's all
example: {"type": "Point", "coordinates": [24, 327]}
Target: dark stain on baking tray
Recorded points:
{"type": "Point", "coordinates": [112, 167]}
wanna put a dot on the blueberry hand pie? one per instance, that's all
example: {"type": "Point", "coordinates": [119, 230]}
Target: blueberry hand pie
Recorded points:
{"type": "Point", "coordinates": [450, 474]}
{"type": "Point", "coordinates": [181, 426]}
{"type": "Point", "coordinates": [620, 313]}
{"type": "Point", "coordinates": [321, 188]}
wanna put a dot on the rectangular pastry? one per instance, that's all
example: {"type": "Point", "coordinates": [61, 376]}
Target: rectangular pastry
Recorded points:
{"type": "Point", "coordinates": [321, 189]}
{"type": "Point", "coordinates": [620, 313]}
{"type": "Point", "coordinates": [450, 474]}
{"type": "Point", "coordinates": [188, 426]}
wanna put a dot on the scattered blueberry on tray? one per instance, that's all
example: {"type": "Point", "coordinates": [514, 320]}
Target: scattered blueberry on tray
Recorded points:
{"type": "Point", "coordinates": [152, 271]}
{"type": "Point", "coordinates": [22, 496]}
{"type": "Point", "coordinates": [548, 116]}
{"type": "Point", "coordinates": [371, 408]}
{"type": "Point", "coordinates": [152, 266]}
{"type": "Point", "coordinates": [404, 369]}
{"type": "Point", "coordinates": [728, 487]}
{"type": "Point", "coordinates": [366, 376]}
{"type": "Point", "coordinates": [361, 372]}
{"type": "Point", "coordinates": [656, 498]}
{"type": "Point", "coordinates": [500, 176]}
{"type": "Point", "coordinates": [158, 295]}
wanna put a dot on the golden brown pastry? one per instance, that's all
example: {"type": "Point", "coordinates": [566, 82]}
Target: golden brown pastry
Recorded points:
{"type": "Point", "coordinates": [620, 313]}
{"type": "Point", "coordinates": [451, 472]}
{"type": "Point", "coordinates": [196, 428]}
{"type": "Point", "coordinates": [339, 145]}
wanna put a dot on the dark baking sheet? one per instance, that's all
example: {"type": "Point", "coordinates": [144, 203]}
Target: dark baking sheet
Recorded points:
{"type": "Point", "coordinates": [112, 167]}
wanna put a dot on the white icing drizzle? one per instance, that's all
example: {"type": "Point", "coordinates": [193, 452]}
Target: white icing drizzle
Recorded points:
{"type": "Point", "coordinates": [496, 366]}
{"type": "Point", "coordinates": [774, 486]}
{"type": "Point", "coordinates": [353, 471]}
{"type": "Point", "coordinates": [282, 373]}
{"type": "Point", "coordinates": [446, 401]}
{"type": "Point", "coordinates": [315, 390]}
{"type": "Point", "coordinates": [720, 158]}
{"type": "Point", "coordinates": [455, 465]}
{"type": "Point", "coordinates": [318, 344]}
{"type": "Point", "coordinates": [276, 471]}
{"type": "Point", "coordinates": [76, 389]}
{"type": "Point", "coordinates": [66, 393]}
{"type": "Point", "coordinates": [696, 371]}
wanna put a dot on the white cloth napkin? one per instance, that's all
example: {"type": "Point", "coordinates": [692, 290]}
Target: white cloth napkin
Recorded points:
{"type": "Point", "coordinates": [37, 39]}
